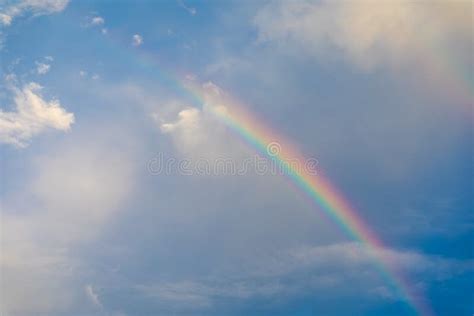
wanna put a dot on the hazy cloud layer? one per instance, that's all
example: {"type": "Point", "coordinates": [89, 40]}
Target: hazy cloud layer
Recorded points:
{"type": "Point", "coordinates": [73, 192]}
{"type": "Point", "coordinates": [284, 276]}
{"type": "Point", "coordinates": [368, 35]}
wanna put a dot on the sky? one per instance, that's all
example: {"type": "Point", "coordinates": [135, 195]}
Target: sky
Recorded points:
{"type": "Point", "coordinates": [138, 141]}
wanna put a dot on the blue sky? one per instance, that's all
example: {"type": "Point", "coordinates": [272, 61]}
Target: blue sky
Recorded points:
{"type": "Point", "coordinates": [380, 94]}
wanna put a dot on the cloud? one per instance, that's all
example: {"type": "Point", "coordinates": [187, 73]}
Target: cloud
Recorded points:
{"type": "Point", "coordinates": [74, 191]}
{"type": "Point", "coordinates": [61, 189]}
{"type": "Point", "coordinates": [33, 116]}
{"type": "Point", "coordinates": [85, 74]}
{"type": "Point", "coordinates": [137, 40]}
{"type": "Point", "coordinates": [186, 294]}
{"type": "Point", "coordinates": [9, 12]}
{"type": "Point", "coordinates": [97, 20]}
{"type": "Point", "coordinates": [366, 34]}
{"type": "Point", "coordinates": [187, 120]}
{"type": "Point", "coordinates": [42, 68]}
{"type": "Point", "coordinates": [197, 132]}
{"type": "Point", "coordinates": [93, 21]}
{"type": "Point", "coordinates": [190, 10]}
{"type": "Point", "coordinates": [296, 272]}
{"type": "Point", "coordinates": [201, 294]}
{"type": "Point", "coordinates": [355, 254]}
{"type": "Point", "coordinates": [5, 19]}
{"type": "Point", "coordinates": [190, 131]}
{"type": "Point", "coordinates": [34, 7]}
{"type": "Point", "coordinates": [47, 270]}
{"type": "Point", "coordinates": [92, 295]}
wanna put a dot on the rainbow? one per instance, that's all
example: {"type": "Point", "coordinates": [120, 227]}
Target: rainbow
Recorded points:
{"type": "Point", "coordinates": [316, 187]}
{"type": "Point", "coordinates": [319, 189]}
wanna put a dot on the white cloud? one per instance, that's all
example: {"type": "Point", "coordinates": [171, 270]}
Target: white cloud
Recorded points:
{"type": "Point", "coordinates": [190, 10]}
{"type": "Point", "coordinates": [191, 132]}
{"type": "Point", "coordinates": [197, 132]}
{"type": "Point", "coordinates": [187, 119]}
{"type": "Point", "coordinates": [97, 20]}
{"type": "Point", "coordinates": [356, 254]}
{"type": "Point", "coordinates": [137, 40]}
{"type": "Point", "coordinates": [33, 116]}
{"type": "Point", "coordinates": [93, 21]}
{"type": "Point", "coordinates": [366, 33]}
{"type": "Point", "coordinates": [35, 7]}
{"type": "Point", "coordinates": [92, 295]}
{"type": "Point", "coordinates": [44, 6]}
{"type": "Point", "coordinates": [42, 68]}
{"type": "Point", "coordinates": [5, 19]}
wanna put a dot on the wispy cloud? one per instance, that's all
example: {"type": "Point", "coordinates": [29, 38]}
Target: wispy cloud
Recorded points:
{"type": "Point", "coordinates": [286, 275]}
{"type": "Point", "coordinates": [42, 68]}
{"type": "Point", "coordinates": [86, 75]}
{"type": "Point", "coordinates": [191, 10]}
{"type": "Point", "coordinates": [9, 12]}
{"type": "Point", "coordinates": [137, 40]}
{"type": "Point", "coordinates": [92, 295]}
{"type": "Point", "coordinates": [95, 20]}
